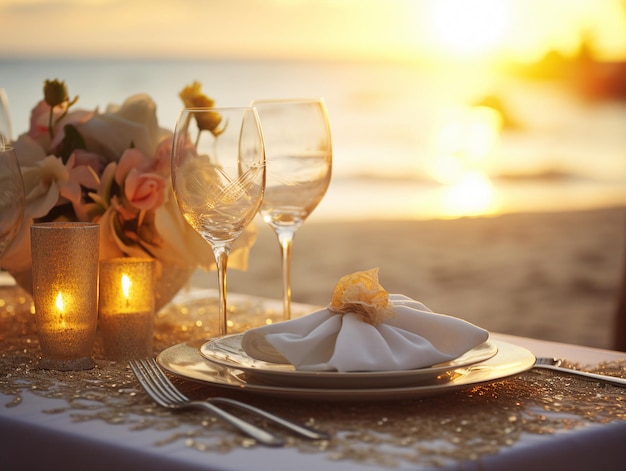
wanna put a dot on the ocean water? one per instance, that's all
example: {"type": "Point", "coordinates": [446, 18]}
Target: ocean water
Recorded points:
{"type": "Point", "coordinates": [407, 142]}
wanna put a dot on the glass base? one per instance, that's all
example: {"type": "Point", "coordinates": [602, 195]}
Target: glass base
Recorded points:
{"type": "Point", "coordinates": [76, 364]}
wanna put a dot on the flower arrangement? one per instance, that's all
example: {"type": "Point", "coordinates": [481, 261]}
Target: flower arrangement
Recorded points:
{"type": "Point", "coordinates": [110, 167]}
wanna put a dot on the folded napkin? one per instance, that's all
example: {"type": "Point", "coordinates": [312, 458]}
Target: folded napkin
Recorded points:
{"type": "Point", "coordinates": [364, 329]}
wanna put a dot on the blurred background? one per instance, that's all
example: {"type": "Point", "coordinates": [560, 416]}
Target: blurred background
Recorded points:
{"type": "Point", "coordinates": [441, 111]}
{"type": "Point", "coordinates": [444, 108]}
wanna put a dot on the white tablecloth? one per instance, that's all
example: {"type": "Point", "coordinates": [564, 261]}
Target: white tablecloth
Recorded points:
{"type": "Point", "coordinates": [32, 439]}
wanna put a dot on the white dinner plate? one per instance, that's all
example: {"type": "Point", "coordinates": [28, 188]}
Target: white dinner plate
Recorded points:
{"type": "Point", "coordinates": [185, 360]}
{"type": "Point", "coordinates": [227, 351]}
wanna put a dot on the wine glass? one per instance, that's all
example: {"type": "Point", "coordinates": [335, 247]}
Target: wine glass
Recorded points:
{"type": "Point", "coordinates": [6, 131]}
{"type": "Point", "coordinates": [11, 197]}
{"type": "Point", "coordinates": [299, 162]}
{"type": "Point", "coordinates": [218, 177]}
{"type": "Point", "coordinates": [11, 187]}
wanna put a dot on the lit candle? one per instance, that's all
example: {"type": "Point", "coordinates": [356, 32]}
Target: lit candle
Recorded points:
{"type": "Point", "coordinates": [126, 288]}
{"type": "Point", "coordinates": [60, 305]}
{"type": "Point", "coordinates": [127, 307]}
{"type": "Point", "coordinates": [65, 292]}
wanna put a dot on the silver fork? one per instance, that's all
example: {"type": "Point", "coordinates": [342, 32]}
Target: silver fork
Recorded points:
{"type": "Point", "coordinates": [164, 393]}
{"type": "Point", "coordinates": [555, 365]}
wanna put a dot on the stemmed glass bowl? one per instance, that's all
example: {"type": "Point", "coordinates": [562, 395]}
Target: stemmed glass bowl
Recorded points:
{"type": "Point", "coordinates": [298, 150]}
{"type": "Point", "coordinates": [6, 132]}
{"type": "Point", "coordinates": [218, 177]}
{"type": "Point", "coordinates": [11, 183]}
{"type": "Point", "coordinates": [11, 197]}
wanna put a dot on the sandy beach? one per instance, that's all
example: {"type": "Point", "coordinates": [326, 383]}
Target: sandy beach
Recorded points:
{"type": "Point", "coordinates": [552, 276]}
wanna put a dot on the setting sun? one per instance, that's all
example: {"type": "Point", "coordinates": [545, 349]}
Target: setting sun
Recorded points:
{"type": "Point", "coordinates": [422, 30]}
{"type": "Point", "coordinates": [470, 28]}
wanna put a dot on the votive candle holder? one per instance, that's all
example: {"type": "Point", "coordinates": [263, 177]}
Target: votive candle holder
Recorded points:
{"type": "Point", "coordinates": [126, 307]}
{"type": "Point", "coordinates": [65, 292]}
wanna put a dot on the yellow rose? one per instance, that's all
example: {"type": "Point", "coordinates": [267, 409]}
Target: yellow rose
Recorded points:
{"type": "Point", "coordinates": [193, 97]}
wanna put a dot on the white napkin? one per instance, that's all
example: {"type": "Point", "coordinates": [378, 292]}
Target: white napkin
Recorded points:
{"type": "Point", "coordinates": [413, 337]}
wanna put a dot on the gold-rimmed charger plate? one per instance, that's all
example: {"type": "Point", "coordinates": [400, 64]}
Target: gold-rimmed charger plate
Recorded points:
{"type": "Point", "coordinates": [227, 351]}
{"type": "Point", "coordinates": [185, 361]}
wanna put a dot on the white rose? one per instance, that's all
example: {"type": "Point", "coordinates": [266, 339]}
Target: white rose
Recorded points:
{"type": "Point", "coordinates": [120, 127]}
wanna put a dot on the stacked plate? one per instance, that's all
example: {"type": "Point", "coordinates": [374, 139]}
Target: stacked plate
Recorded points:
{"type": "Point", "coordinates": [223, 363]}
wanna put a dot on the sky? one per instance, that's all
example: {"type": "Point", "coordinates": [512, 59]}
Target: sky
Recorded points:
{"type": "Point", "coordinates": [419, 30]}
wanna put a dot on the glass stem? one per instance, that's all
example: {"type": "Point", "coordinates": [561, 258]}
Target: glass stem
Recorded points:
{"type": "Point", "coordinates": [285, 239]}
{"type": "Point", "coordinates": [221, 253]}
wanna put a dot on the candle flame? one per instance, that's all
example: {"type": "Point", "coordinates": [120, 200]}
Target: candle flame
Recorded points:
{"type": "Point", "coordinates": [59, 302]}
{"type": "Point", "coordinates": [126, 284]}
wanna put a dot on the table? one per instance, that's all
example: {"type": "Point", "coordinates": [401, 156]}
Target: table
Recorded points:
{"type": "Point", "coordinates": [101, 419]}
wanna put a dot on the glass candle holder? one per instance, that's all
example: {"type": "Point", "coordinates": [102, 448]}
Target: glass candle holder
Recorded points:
{"type": "Point", "coordinates": [127, 307]}
{"type": "Point", "coordinates": [65, 292]}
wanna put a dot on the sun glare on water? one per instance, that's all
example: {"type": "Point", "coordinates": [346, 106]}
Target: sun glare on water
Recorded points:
{"type": "Point", "coordinates": [472, 195]}
{"type": "Point", "coordinates": [462, 149]}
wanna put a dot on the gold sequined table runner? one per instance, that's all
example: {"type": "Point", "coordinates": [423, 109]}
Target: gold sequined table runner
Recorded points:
{"type": "Point", "coordinates": [102, 415]}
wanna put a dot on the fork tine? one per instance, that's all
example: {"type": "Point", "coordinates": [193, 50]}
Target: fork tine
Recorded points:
{"type": "Point", "coordinates": [163, 384]}
{"type": "Point", "coordinates": [146, 383]}
{"type": "Point", "coordinates": [163, 380]}
{"type": "Point", "coordinates": [164, 393]}
{"type": "Point", "coordinates": [299, 429]}
{"type": "Point", "coordinates": [157, 383]}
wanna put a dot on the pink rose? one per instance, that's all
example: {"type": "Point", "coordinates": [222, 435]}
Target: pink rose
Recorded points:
{"type": "Point", "coordinates": [145, 191]}
{"type": "Point", "coordinates": [39, 118]}
{"type": "Point", "coordinates": [131, 159]}
{"type": "Point", "coordinates": [163, 157]}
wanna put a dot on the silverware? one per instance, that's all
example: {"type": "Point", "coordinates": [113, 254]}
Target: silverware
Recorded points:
{"type": "Point", "coordinates": [555, 365]}
{"type": "Point", "coordinates": [159, 387]}
{"type": "Point", "coordinates": [163, 392]}
{"type": "Point", "coordinates": [299, 429]}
